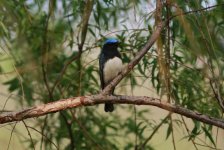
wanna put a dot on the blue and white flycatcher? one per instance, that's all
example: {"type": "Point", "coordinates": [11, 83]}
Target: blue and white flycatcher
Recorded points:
{"type": "Point", "coordinates": [110, 65]}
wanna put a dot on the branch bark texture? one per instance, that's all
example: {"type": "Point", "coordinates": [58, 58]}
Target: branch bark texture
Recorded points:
{"type": "Point", "coordinates": [101, 98]}
{"type": "Point", "coordinates": [74, 102]}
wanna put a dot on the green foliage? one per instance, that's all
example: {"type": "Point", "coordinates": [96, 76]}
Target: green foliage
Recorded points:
{"type": "Point", "coordinates": [43, 42]}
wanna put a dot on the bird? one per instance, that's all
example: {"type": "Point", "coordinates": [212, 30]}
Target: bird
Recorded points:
{"type": "Point", "coordinates": [110, 65]}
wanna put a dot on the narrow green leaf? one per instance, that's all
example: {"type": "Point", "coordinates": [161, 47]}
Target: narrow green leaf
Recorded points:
{"type": "Point", "coordinates": [208, 134]}
{"type": "Point", "coordinates": [169, 130]}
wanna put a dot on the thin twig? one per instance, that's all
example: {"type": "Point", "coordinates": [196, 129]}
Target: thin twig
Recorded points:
{"type": "Point", "coordinates": [188, 132]}
{"type": "Point", "coordinates": [86, 134]}
{"type": "Point", "coordinates": [3, 108]}
{"type": "Point", "coordinates": [167, 53]}
{"type": "Point", "coordinates": [44, 136]}
{"type": "Point", "coordinates": [31, 139]}
{"type": "Point", "coordinates": [11, 135]}
{"type": "Point", "coordinates": [172, 130]}
{"type": "Point", "coordinates": [154, 132]}
{"type": "Point", "coordinates": [217, 133]}
{"type": "Point", "coordinates": [207, 146]}
{"type": "Point", "coordinates": [217, 97]}
{"type": "Point", "coordinates": [69, 127]}
{"type": "Point", "coordinates": [64, 70]}
{"type": "Point", "coordinates": [193, 11]}
{"type": "Point", "coordinates": [21, 83]}
{"type": "Point", "coordinates": [44, 49]}
{"type": "Point", "coordinates": [84, 26]}
{"type": "Point", "coordinates": [42, 131]}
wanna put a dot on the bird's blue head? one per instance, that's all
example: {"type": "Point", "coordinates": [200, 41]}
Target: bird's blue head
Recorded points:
{"type": "Point", "coordinates": [111, 44]}
{"type": "Point", "coordinates": [111, 41]}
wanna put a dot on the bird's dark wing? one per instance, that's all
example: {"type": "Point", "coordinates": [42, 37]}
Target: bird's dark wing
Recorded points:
{"type": "Point", "coordinates": [119, 55]}
{"type": "Point", "coordinates": [101, 64]}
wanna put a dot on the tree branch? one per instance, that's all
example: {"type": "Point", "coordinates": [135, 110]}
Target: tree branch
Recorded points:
{"type": "Point", "coordinates": [194, 11]}
{"type": "Point", "coordinates": [84, 26]}
{"type": "Point", "coordinates": [101, 99]}
{"type": "Point", "coordinates": [154, 132]}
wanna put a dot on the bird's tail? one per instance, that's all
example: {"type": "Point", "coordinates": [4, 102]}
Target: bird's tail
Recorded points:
{"type": "Point", "coordinates": [109, 107]}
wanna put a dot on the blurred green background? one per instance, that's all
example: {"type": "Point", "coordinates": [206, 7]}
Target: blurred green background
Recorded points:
{"type": "Point", "coordinates": [49, 50]}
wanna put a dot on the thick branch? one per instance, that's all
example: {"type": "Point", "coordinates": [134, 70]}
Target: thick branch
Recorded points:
{"type": "Point", "coordinates": [101, 99]}
{"type": "Point", "coordinates": [85, 19]}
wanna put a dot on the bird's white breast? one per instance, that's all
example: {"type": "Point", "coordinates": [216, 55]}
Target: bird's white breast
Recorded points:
{"type": "Point", "coordinates": [111, 69]}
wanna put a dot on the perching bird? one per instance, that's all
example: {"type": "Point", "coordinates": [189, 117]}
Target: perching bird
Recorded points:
{"type": "Point", "coordinates": [110, 65]}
